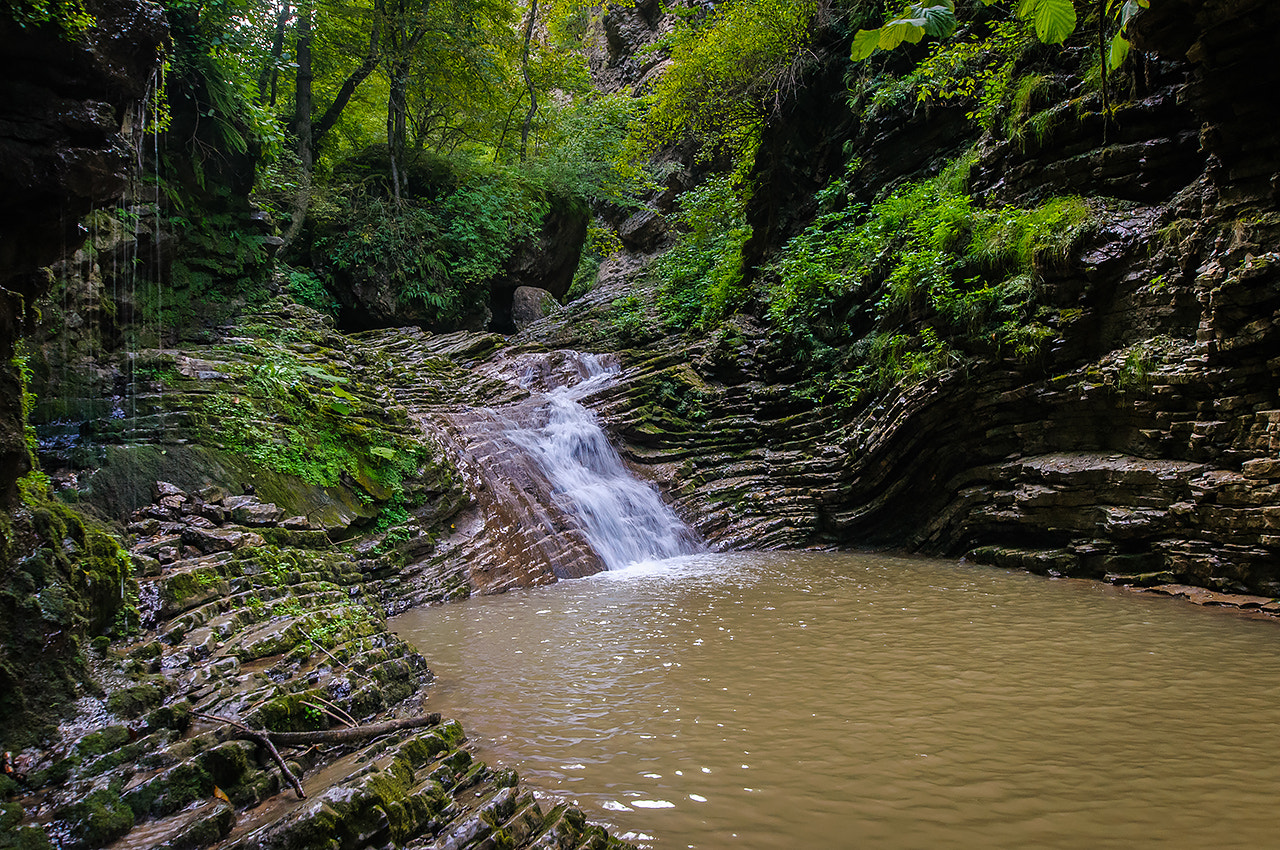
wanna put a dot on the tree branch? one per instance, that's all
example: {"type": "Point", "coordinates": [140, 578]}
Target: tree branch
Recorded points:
{"type": "Point", "coordinates": [262, 738]}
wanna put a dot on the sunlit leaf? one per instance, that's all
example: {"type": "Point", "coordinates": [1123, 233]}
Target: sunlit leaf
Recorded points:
{"type": "Point", "coordinates": [1053, 20]}
{"type": "Point", "coordinates": [864, 44]}
{"type": "Point", "coordinates": [1117, 52]}
{"type": "Point", "coordinates": [894, 33]}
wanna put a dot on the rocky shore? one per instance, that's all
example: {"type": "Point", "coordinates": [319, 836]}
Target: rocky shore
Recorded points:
{"type": "Point", "coordinates": [244, 642]}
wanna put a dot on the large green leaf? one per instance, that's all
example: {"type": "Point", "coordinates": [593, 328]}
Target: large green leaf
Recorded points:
{"type": "Point", "coordinates": [1053, 20]}
{"type": "Point", "coordinates": [1117, 52]}
{"type": "Point", "coordinates": [864, 44]}
{"type": "Point", "coordinates": [940, 21]}
{"type": "Point", "coordinates": [904, 29]}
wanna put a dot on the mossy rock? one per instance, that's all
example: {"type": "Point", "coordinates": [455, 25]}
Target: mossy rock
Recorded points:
{"type": "Point", "coordinates": [69, 581]}
{"type": "Point", "coordinates": [135, 700]}
{"type": "Point", "coordinates": [103, 741]}
{"type": "Point", "coordinates": [96, 821]}
{"type": "Point", "coordinates": [175, 716]}
{"type": "Point", "coordinates": [123, 482]}
{"type": "Point", "coordinates": [25, 838]}
{"type": "Point", "coordinates": [171, 790]}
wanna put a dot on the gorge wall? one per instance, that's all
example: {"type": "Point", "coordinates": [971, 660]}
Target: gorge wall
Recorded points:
{"type": "Point", "coordinates": [1143, 447]}
{"type": "Point", "coordinates": [63, 102]}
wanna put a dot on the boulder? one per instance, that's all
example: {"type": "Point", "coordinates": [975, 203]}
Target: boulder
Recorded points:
{"type": "Point", "coordinates": [209, 540]}
{"type": "Point", "coordinates": [252, 511]}
{"type": "Point", "coordinates": [643, 231]}
{"type": "Point", "coordinates": [529, 304]}
{"type": "Point", "coordinates": [546, 262]}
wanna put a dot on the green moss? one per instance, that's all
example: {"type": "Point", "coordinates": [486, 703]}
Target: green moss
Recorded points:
{"type": "Point", "coordinates": [97, 820]}
{"type": "Point", "coordinates": [170, 791]}
{"type": "Point", "coordinates": [229, 764]}
{"type": "Point", "coordinates": [10, 817]}
{"type": "Point", "coordinates": [104, 741]}
{"type": "Point", "coordinates": [175, 716]}
{"type": "Point", "coordinates": [283, 413]}
{"type": "Point", "coordinates": [135, 700]}
{"type": "Point", "coordinates": [179, 587]}
{"type": "Point", "coordinates": [26, 838]}
{"type": "Point", "coordinates": [63, 581]}
{"type": "Point", "coordinates": [289, 713]}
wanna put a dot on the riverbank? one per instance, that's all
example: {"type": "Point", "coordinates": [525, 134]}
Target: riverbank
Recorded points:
{"type": "Point", "coordinates": [244, 641]}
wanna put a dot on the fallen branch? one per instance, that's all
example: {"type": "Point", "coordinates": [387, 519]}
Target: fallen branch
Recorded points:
{"type": "Point", "coordinates": [261, 738]}
{"type": "Point", "coordinates": [353, 733]}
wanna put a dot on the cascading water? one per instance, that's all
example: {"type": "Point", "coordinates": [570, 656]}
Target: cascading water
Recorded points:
{"type": "Point", "coordinates": [622, 518]}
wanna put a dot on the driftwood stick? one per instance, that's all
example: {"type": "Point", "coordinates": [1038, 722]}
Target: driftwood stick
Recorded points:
{"type": "Point", "coordinates": [261, 738]}
{"type": "Point", "coordinates": [353, 733]}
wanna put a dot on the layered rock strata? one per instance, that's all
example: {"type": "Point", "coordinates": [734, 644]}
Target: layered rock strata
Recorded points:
{"type": "Point", "coordinates": [278, 639]}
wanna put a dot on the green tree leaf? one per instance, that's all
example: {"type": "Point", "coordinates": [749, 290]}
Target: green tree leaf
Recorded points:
{"type": "Point", "coordinates": [1117, 52]}
{"type": "Point", "coordinates": [892, 34]}
{"type": "Point", "coordinates": [940, 21]}
{"type": "Point", "coordinates": [865, 43]}
{"type": "Point", "coordinates": [1053, 20]}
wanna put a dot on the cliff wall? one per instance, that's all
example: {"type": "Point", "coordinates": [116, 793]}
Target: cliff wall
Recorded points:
{"type": "Point", "coordinates": [1143, 445]}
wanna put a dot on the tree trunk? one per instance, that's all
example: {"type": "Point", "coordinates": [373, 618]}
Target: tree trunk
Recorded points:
{"type": "Point", "coordinates": [397, 112]}
{"type": "Point", "coordinates": [528, 81]}
{"type": "Point", "coordinates": [302, 123]}
{"type": "Point", "coordinates": [271, 70]}
{"type": "Point", "coordinates": [358, 76]}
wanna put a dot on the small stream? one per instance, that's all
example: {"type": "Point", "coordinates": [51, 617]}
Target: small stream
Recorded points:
{"type": "Point", "coordinates": [808, 700]}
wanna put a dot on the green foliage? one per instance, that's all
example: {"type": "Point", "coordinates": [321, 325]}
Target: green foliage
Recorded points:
{"type": "Point", "coordinates": [583, 151]}
{"type": "Point", "coordinates": [978, 71]}
{"type": "Point", "coordinates": [70, 16]}
{"type": "Point", "coordinates": [307, 288]}
{"type": "Point", "coordinates": [629, 320]}
{"type": "Point", "coordinates": [922, 281]}
{"type": "Point", "coordinates": [727, 71]}
{"type": "Point", "coordinates": [916, 21]}
{"type": "Point", "coordinates": [701, 275]}
{"type": "Point", "coordinates": [601, 242]}
{"type": "Point", "coordinates": [1052, 20]}
{"type": "Point", "coordinates": [440, 248]}
{"type": "Point", "coordinates": [298, 419]}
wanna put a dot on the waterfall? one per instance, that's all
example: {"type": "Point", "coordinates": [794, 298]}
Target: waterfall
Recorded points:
{"type": "Point", "coordinates": [622, 518]}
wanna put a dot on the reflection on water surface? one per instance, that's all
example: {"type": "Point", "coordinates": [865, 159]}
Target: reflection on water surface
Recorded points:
{"type": "Point", "coordinates": [786, 699]}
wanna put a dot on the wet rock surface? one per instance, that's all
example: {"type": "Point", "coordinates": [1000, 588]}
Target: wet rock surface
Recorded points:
{"type": "Point", "coordinates": [62, 153]}
{"type": "Point", "coordinates": [278, 639]}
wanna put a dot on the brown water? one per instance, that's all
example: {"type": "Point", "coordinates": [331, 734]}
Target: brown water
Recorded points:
{"type": "Point", "coordinates": [799, 700]}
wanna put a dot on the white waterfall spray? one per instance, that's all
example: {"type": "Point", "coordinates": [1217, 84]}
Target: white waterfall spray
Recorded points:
{"type": "Point", "coordinates": [622, 518]}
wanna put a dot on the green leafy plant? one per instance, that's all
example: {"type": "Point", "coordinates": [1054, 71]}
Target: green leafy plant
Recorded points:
{"type": "Point", "coordinates": [922, 281]}
{"type": "Point", "coordinates": [70, 16]}
{"type": "Point", "coordinates": [439, 247]}
{"type": "Point", "coordinates": [701, 275]}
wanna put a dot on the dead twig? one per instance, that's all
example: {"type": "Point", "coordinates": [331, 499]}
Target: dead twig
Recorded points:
{"type": "Point", "coordinates": [329, 712]}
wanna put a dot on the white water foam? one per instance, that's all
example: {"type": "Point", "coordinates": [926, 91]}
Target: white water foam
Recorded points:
{"type": "Point", "coordinates": [622, 518]}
